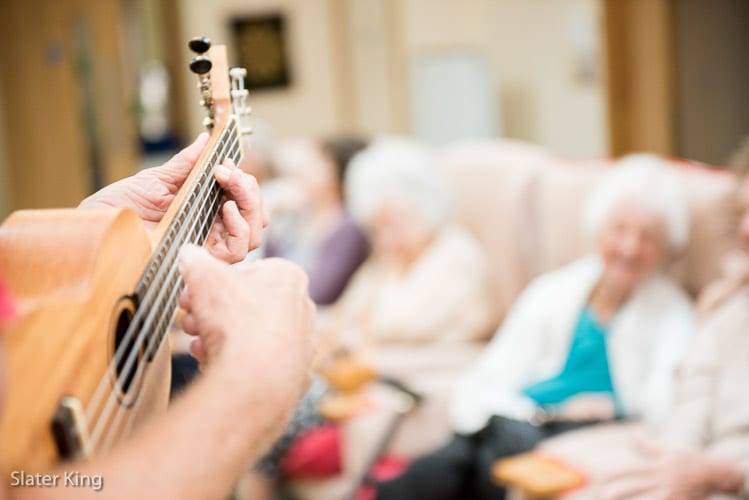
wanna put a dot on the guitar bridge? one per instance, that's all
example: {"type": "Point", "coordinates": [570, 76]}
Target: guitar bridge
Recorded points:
{"type": "Point", "coordinates": [70, 430]}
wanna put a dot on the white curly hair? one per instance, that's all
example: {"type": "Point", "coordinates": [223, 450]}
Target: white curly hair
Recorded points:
{"type": "Point", "coordinates": [651, 183]}
{"type": "Point", "coordinates": [397, 170]}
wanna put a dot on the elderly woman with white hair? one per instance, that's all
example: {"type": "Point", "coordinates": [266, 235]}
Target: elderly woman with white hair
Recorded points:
{"type": "Point", "coordinates": [425, 282]}
{"type": "Point", "coordinates": [594, 341]}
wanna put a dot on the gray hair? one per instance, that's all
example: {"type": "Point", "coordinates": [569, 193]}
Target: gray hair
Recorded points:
{"type": "Point", "coordinates": [397, 170]}
{"type": "Point", "coordinates": [648, 181]}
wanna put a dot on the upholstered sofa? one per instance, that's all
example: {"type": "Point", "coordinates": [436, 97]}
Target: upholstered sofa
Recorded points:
{"type": "Point", "coordinates": [522, 203]}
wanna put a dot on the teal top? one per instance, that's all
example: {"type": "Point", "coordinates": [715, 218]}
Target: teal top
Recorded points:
{"type": "Point", "coordinates": [586, 369]}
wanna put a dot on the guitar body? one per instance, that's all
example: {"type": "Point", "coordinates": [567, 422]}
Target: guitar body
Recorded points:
{"type": "Point", "coordinates": [71, 272]}
{"type": "Point", "coordinates": [88, 358]}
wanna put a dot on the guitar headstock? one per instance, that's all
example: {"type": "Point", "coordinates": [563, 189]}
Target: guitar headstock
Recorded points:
{"type": "Point", "coordinates": [219, 97]}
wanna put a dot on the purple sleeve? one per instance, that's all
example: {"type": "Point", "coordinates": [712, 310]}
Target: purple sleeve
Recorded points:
{"type": "Point", "coordinates": [271, 248]}
{"type": "Point", "coordinates": [341, 255]}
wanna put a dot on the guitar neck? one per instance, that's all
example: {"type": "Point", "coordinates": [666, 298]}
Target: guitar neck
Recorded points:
{"type": "Point", "coordinates": [198, 206]}
{"type": "Point", "coordinates": [195, 207]}
{"type": "Point", "coordinates": [225, 129]}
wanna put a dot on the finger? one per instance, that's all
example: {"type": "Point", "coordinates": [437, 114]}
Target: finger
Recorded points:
{"type": "Point", "coordinates": [215, 234]}
{"type": "Point", "coordinates": [184, 299]}
{"type": "Point", "coordinates": [189, 325]}
{"type": "Point", "coordinates": [176, 170]}
{"type": "Point", "coordinates": [236, 229]}
{"type": "Point", "coordinates": [198, 350]}
{"type": "Point", "coordinates": [216, 242]}
{"type": "Point", "coordinates": [244, 190]}
{"type": "Point", "coordinates": [203, 274]}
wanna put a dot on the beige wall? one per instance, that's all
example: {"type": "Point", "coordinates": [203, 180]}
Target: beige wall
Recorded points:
{"type": "Point", "coordinates": [712, 41]}
{"type": "Point", "coordinates": [532, 47]}
{"type": "Point", "coordinates": [351, 59]}
{"type": "Point", "coordinates": [379, 77]}
{"type": "Point", "coordinates": [435, 24]}
{"type": "Point", "coordinates": [309, 106]}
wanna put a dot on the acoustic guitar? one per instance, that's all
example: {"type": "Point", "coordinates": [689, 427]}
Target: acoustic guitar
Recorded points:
{"type": "Point", "coordinates": [88, 358]}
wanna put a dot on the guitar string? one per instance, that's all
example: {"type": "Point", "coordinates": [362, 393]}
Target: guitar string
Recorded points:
{"type": "Point", "coordinates": [115, 425]}
{"type": "Point", "coordinates": [179, 236]}
{"type": "Point", "coordinates": [214, 205]}
{"type": "Point", "coordinates": [146, 328]}
{"type": "Point", "coordinates": [148, 277]}
{"type": "Point", "coordinates": [149, 306]}
{"type": "Point", "coordinates": [100, 391]}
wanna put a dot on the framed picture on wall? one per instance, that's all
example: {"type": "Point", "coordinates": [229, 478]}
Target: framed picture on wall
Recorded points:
{"type": "Point", "coordinates": [261, 48]}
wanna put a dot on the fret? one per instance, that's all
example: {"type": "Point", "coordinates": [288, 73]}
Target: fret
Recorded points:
{"type": "Point", "coordinates": [180, 219]}
{"type": "Point", "coordinates": [166, 306]}
{"type": "Point", "coordinates": [191, 223]}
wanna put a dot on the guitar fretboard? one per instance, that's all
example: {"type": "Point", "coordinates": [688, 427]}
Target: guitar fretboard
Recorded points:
{"type": "Point", "coordinates": [161, 282]}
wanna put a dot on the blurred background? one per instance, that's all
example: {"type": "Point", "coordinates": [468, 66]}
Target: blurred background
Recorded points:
{"type": "Point", "coordinates": [522, 104]}
{"type": "Point", "coordinates": [91, 90]}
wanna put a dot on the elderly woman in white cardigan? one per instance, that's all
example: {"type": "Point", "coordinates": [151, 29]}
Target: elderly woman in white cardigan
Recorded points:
{"type": "Point", "coordinates": [594, 341]}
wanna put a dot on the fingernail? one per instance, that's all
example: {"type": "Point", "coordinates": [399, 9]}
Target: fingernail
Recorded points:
{"type": "Point", "coordinates": [222, 173]}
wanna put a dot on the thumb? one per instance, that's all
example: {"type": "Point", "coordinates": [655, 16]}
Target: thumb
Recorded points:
{"type": "Point", "coordinates": [179, 166]}
{"type": "Point", "coordinates": [200, 270]}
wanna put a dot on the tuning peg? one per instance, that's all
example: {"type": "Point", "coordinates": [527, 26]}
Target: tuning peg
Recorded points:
{"type": "Point", "coordinates": [239, 93]}
{"type": "Point", "coordinates": [200, 65]}
{"type": "Point", "coordinates": [237, 73]}
{"type": "Point", "coordinates": [200, 45]}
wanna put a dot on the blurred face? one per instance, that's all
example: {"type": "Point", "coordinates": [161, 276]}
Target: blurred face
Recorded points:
{"type": "Point", "coordinates": [744, 208]}
{"type": "Point", "coordinates": [398, 233]}
{"type": "Point", "coordinates": [631, 244]}
{"type": "Point", "coordinates": [305, 164]}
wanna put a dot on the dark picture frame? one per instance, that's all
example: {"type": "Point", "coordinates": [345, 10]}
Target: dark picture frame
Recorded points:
{"type": "Point", "coordinates": [260, 41]}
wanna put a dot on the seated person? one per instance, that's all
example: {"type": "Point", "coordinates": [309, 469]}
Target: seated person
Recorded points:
{"type": "Point", "coordinates": [594, 341]}
{"type": "Point", "coordinates": [319, 235]}
{"type": "Point", "coordinates": [425, 282]}
{"type": "Point", "coordinates": [702, 448]}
